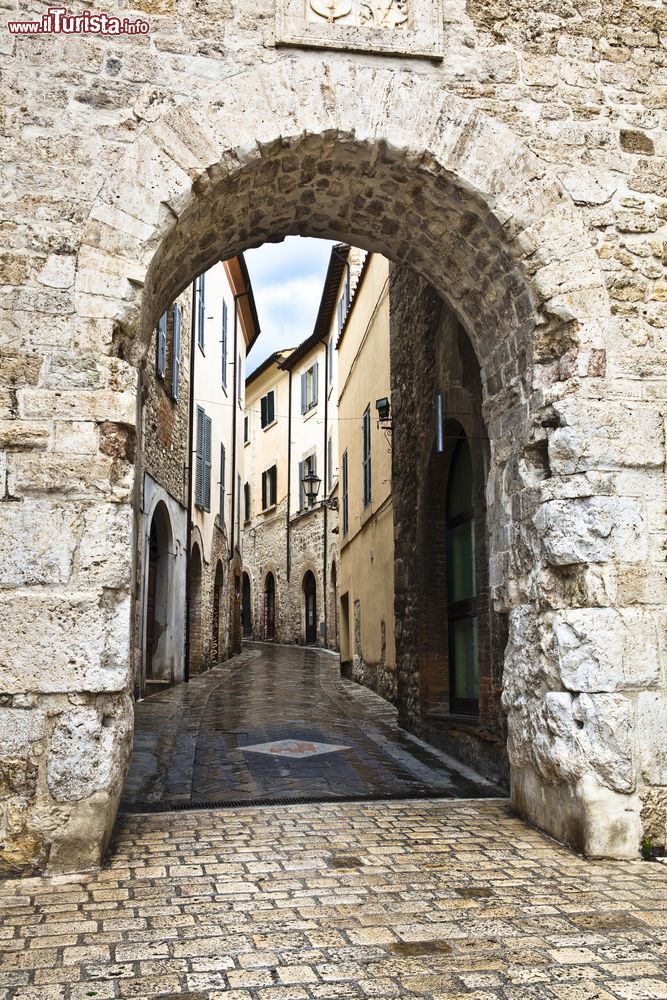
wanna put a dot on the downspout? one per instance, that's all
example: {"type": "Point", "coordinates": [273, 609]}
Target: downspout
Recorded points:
{"type": "Point", "coordinates": [236, 398]}
{"type": "Point", "coordinates": [326, 480]}
{"type": "Point", "coordinates": [289, 474]}
{"type": "Point", "coordinates": [188, 535]}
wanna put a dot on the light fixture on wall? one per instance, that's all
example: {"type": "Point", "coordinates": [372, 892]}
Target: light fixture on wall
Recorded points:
{"type": "Point", "coordinates": [383, 407]}
{"type": "Point", "coordinates": [311, 483]}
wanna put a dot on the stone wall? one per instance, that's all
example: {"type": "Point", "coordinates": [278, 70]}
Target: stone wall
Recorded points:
{"type": "Point", "coordinates": [523, 176]}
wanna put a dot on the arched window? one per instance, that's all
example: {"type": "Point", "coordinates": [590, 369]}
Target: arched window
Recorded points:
{"type": "Point", "coordinates": [461, 584]}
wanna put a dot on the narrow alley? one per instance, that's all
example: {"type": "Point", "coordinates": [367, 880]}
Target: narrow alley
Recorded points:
{"type": "Point", "coordinates": [276, 723]}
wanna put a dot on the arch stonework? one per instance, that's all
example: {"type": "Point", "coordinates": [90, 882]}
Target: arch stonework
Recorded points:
{"type": "Point", "coordinates": [392, 160]}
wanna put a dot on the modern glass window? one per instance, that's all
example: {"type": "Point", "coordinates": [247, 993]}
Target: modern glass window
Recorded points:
{"type": "Point", "coordinates": [225, 321]}
{"type": "Point", "coordinates": [366, 452]}
{"type": "Point", "coordinates": [309, 386]}
{"type": "Point", "coordinates": [268, 408]}
{"type": "Point", "coordinates": [200, 296]}
{"type": "Point", "coordinates": [461, 584]}
{"type": "Point", "coordinates": [346, 506]}
{"type": "Point", "coordinates": [203, 461]}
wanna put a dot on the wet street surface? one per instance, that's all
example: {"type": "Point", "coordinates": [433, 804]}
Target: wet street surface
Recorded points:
{"type": "Point", "coordinates": [278, 723]}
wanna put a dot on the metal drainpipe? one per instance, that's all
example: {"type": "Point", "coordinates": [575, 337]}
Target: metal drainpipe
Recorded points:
{"type": "Point", "coordinates": [289, 473]}
{"type": "Point", "coordinates": [326, 480]}
{"type": "Point", "coordinates": [188, 534]}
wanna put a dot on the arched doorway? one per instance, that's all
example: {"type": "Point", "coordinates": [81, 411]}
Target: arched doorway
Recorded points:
{"type": "Point", "coordinates": [310, 608]}
{"type": "Point", "coordinates": [157, 654]}
{"type": "Point", "coordinates": [270, 607]}
{"type": "Point", "coordinates": [195, 651]}
{"type": "Point", "coordinates": [216, 645]}
{"type": "Point", "coordinates": [462, 584]}
{"type": "Point", "coordinates": [246, 605]}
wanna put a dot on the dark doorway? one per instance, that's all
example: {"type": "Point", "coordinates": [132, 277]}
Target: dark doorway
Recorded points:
{"type": "Point", "coordinates": [157, 659]}
{"type": "Point", "coordinates": [246, 606]}
{"type": "Point", "coordinates": [194, 610]}
{"type": "Point", "coordinates": [216, 652]}
{"type": "Point", "coordinates": [309, 591]}
{"type": "Point", "coordinates": [270, 607]}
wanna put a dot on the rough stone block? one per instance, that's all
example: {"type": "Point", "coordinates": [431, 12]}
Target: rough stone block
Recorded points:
{"type": "Point", "coordinates": [52, 642]}
{"type": "Point", "coordinates": [37, 541]}
{"type": "Point", "coordinates": [652, 725]}
{"type": "Point", "coordinates": [84, 754]}
{"type": "Point", "coordinates": [104, 555]}
{"type": "Point", "coordinates": [592, 529]}
{"type": "Point", "coordinates": [607, 649]}
{"type": "Point", "coordinates": [20, 729]}
{"type": "Point", "coordinates": [605, 436]}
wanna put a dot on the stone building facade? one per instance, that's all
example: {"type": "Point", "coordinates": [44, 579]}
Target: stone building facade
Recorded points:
{"type": "Point", "coordinates": [519, 168]}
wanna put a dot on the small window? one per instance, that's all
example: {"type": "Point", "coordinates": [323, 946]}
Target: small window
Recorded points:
{"type": "Point", "coordinates": [346, 506]}
{"type": "Point", "coordinates": [246, 502]}
{"type": "Point", "coordinates": [268, 408]}
{"type": "Point", "coordinates": [309, 386]}
{"type": "Point", "coordinates": [366, 430]}
{"type": "Point", "coordinates": [201, 309]}
{"type": "Point", "coordinates": [246, 429]}
{"type": "Point", "coordinates": [161, 346]}
{"type": "Point", "coordinates": [224, 344]}
{"type": "Point", "coordinates": [269, 487]}
{"type": "Point", "coordinates": [222, 484]}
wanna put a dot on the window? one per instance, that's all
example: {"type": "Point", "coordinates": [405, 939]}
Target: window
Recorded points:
{"type": "Point", "coordinates": [308, 465]}
{"type": "Point", "coordinates": [246, 502]}
{"type": "Point", "coordinates": [201, 309]}
{"type": "Point", "coordinates": [224, 344]}
{"type": "Point", "coordinates": [246, 429]}
{"type": "Point", "coordinates": [238, 511]}
{"type": "Point", "coordinates": [309, 388]}
{"type": "Point", "coordinates": [161, 346]}
{"type": "Point", "coordinates": [346, 508]}
{"type": "Point", "coordinates": [268, 408]}
{"type": "Point", "coordinates": [203, 461]}
{"type": "Point", "coordinates": [176, 352]}
{"type": "Point", "coordinates": [222, 485]}
{"type": "Point", "coordinates": [366, 430]}
{"type": "Point", "coordinates": [461, 583]}
{"type": "Point", "coordinates": [330, 476]}
{"type": "Point", "coordinates": [269, 487]}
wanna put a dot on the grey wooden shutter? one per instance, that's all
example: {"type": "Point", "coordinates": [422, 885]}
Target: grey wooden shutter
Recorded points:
{"type": "Point", "coordinates": [199, 466]}
{"type": "Point", "coordinates": [264, 491]}
{"type": "Point", "coordinates": [161, 347]}
{"type": "Point", "coordinates": [274, 484]}
{"type": "Point", "coordinates": [302, 492]}
{"type": "Point", "coordinates": [304, 403]}
{"type": "Point", "coordinates": [207, 462]}
{"type": "Point", "coordinates": [222, 485]}
{"type": "Point", "coordinates": [271, 407]}
{"type": "Point", "coordinates": [224, 344]}
{"type": "Point", "coordinates": [316, 370]}
{"type": "Point", "coordinates": [176, 354]}
{"type": "Point", "coordinates": [264, 405]}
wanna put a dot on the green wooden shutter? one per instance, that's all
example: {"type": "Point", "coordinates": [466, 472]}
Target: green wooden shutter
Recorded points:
{"type": "Point", "coordinates": [199, 460]}
{"type": "Point", "coordinates": [207, 462]}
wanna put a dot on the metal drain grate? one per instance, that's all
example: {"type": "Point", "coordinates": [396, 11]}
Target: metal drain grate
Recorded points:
{"type": "Point", "coordinates": [294, 800]}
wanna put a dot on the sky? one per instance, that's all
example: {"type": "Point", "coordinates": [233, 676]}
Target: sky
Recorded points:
{"type": "Point", "coordinates": [287, 280]}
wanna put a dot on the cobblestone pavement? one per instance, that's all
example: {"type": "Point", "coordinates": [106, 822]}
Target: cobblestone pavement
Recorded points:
{"type": "Point", "coordinates": [436, 899]}
{"type": "Point", "coordinates": [278, 722]}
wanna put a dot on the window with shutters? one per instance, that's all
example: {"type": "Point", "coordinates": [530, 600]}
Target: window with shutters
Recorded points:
{"type": "Point", "coordinates": [224, 344]}
{"type": "Point", "coordinates": [203, 461]}
{"type": "Point", "coordinates": [247, 512]}
{"type": "Point", "coordinates": [268, 409]}
{"type": "Point", "coordinates": [176, 352]}
{"type": "Point", "coordinates": [346, 508]}
{"type": "Point", "coordinates": [161, 347]}
{"type": "Point", "coordinates": [246, 429]}
{"type": "Point", "coordinates": [223, 463]}
{"type": "Point", "coordinates": [200, 297]}
{"type": "Point", "coordinates": [269, 487]}
{"type": "Point", "coordinates": [366, 452]}
{"type": "Point", "coordinates": [309, 386]}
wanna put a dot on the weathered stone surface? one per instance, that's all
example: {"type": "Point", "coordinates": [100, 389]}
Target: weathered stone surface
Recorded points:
{"type": "Point", "coordinates": [607, 649]}
{"type": "Point", "coordinates": [64, 642]}
{"type": "Point", "coordinates": [84, 755]}
{"type": "Point", "coordinates": [651, 722]}
{"type": "Point", "coordinates": [19, 730]}
{"type": "Point", "coordinates": [37, 542]}
{"type": "Point", "coordinates": [592, 529]}
{"type": "Point", "coordinates": [605, 436]}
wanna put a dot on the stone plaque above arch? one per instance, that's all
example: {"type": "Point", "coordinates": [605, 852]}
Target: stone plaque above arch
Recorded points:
{"type": "Point", "coordinates": [392, 27]}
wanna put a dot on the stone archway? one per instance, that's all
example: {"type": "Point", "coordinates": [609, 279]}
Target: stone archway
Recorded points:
{"type": "Point", "coordinates": [391, 161]}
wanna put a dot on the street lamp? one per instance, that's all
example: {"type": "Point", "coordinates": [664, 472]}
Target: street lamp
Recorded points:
{"type": "Point", "coordinates": [311, 483]}
{"type": "Point", "coordinates": [383, 407]}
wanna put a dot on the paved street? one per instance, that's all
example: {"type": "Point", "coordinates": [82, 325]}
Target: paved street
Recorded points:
{"type": "Point", "coordinates": [278, 722]}
{"type": "Point", "coordinates": [432, 899]}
